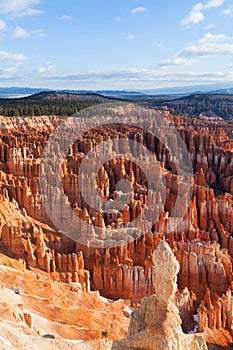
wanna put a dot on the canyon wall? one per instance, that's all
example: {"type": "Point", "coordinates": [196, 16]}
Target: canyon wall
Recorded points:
{"type": "Point", "coordinates": [201, 240]}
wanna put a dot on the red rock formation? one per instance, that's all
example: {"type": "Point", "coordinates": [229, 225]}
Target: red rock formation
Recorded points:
{"type": "Point", "coordinates": [215, 312]}
{"type": "Point", "coordinates": [185, 303]}
{"type": "Point", "coordinates": [202, 240]}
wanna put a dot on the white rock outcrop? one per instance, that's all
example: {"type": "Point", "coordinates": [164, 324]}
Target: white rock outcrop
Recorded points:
{"type": "Point", "coordinates": [157, 324]}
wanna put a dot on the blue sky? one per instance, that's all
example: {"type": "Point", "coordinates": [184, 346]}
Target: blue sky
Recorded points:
{"type": "Point", "coordinates": [123, 44]}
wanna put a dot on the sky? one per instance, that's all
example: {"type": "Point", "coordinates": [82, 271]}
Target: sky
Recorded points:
{"type": "Point", "coordinates": [121, 44]}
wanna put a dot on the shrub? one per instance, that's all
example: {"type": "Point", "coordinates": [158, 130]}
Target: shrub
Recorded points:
{"type": "Point", "coordinates": [105, 334]}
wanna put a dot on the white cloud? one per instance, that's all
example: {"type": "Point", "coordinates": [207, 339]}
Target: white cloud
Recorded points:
{"type": "Point", "coordinates": [214, 3]}
{"type": "Point", "coordinates": [8, 56]}
{"type": "Point", "coordinates": [48, 69]}
{"type": "Point", "coordinates": [42, 70]}
{"type": "Point", "coordinates": [19, 33]}
{"type": "Point", "coordinates": [209, 37]}
{"type": "Point", "coordinates": [135, 77]}
{"type": "Point", "coordinates": [176, 61]}
{"type": "Point", "coordinates": [139, 10]}
{"type": "Point", "coordinates": [229, 11]}
{"type": "Point", "coordinates": [18, 8]}
{"type": "Point", "coordinates": [65, 18]}
{"type": "Point", "coordinates": [38, 33]}
{"type": "Point", "coordinates": [207, 49]}
{"type": "Point", "coordinates": [210, 26]}
{"type": "Point", "coordinates": [9, 70]}
{"type": "Point", "coordinates": [131, 36]}
{"type": "Point", "coordinates": [209, 45]}
{"type": "Point", "coordinates": [196, 15]}
{"type": "Point", "coordinates": [3, 26]}
{"type": "Point", "coordinates": [129, 78]}
{"type": "Point", "coordinates": [161, 46]}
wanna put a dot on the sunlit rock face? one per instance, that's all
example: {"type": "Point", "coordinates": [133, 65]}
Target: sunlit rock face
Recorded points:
{"type": "Point", "coordinates": [157, 325]}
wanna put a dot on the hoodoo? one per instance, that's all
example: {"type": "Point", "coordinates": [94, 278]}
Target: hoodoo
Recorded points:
{"type": "Point", "coordinates": [157, 325]}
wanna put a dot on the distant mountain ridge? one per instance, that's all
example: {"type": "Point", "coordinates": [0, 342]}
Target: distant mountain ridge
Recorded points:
{"type": "Point", "coordinates": [175, 91]}
{"type": "Point", "coordinates": [68, 103]}
{"type": "Point", "coordinates": [60, 96]}
{"type": "Point", "coordinates": [222, 92]}
{"type": "Point", "coordinates": [50, 103]}
{"type": "Point", "coordinates": [210, 105]}
{"type": "Point", "coordinates": [20, 91]}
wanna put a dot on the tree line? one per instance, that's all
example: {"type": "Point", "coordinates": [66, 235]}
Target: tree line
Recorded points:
{"type": "Point", "coordinates": [14, 108]}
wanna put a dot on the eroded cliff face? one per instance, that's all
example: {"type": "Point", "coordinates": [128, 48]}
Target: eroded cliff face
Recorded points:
{"type": "Point", "coordinates": [201, 240]}
{"type": "Point", "coordinates": [34, 308]}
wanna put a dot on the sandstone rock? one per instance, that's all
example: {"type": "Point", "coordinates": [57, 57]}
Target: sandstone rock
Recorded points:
{"type": "Point", "coordinates": [202, 240]}
{"type": "Point", "coordinates": [215, 312]}
{"type": "Point", "coordinates": [157, 325]}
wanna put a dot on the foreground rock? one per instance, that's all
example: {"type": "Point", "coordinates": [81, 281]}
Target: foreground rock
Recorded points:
{"type": "Point", "coordinates": [157, 325]}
